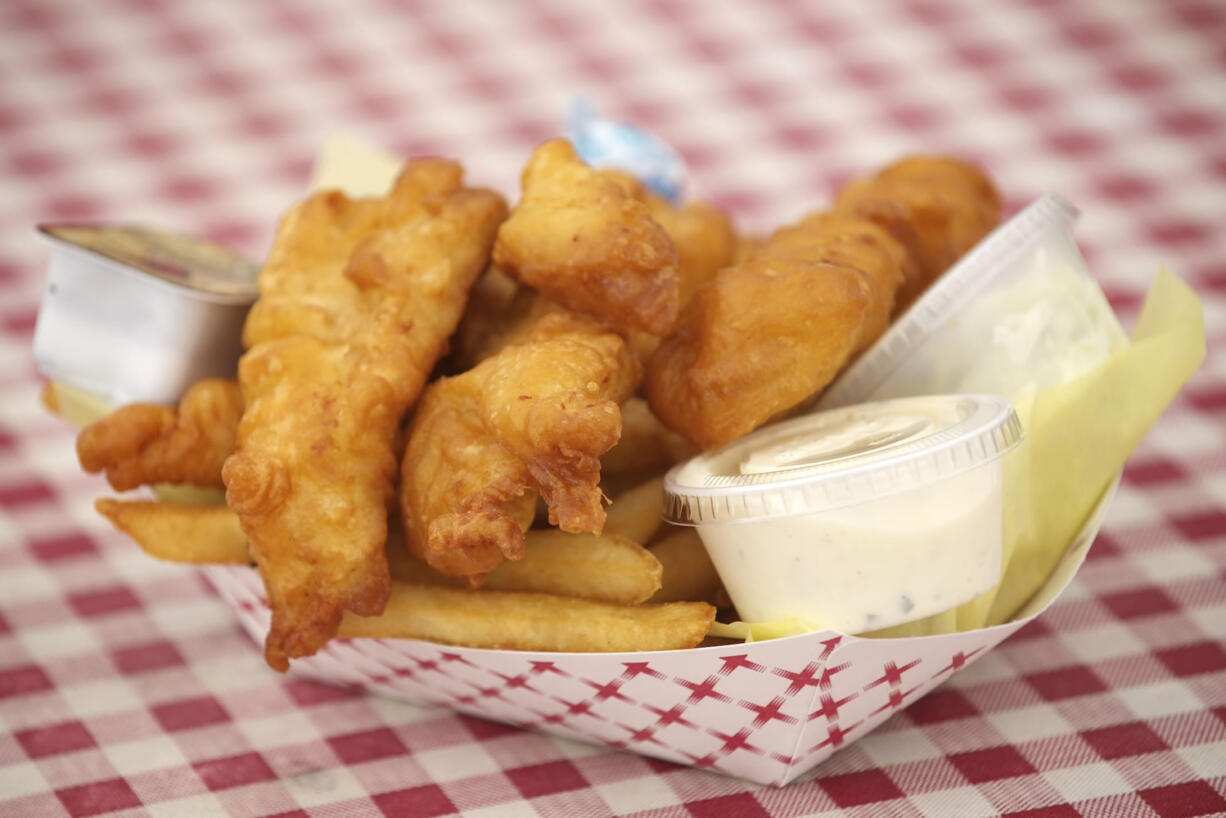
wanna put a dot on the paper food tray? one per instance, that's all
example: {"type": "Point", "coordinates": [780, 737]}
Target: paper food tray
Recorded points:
{"type": "Point", "coordinates": [766, 711]}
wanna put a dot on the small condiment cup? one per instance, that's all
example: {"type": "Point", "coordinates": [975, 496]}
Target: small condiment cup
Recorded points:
{"type": "Point", "coordinates": [858, 518]}
{"type": "Point", "coordinates": [135, 314]}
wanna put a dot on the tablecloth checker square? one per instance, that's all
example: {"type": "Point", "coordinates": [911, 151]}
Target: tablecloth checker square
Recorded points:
{"type": "Point", "coordinates": [205, 116]}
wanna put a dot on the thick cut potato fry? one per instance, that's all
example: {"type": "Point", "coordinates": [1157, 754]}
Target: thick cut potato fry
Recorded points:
{"type": "Point", "coordinates": [688, 572]}
{"type": "Point", "coordinates": [512, 621]}
{"type": "Point", "coordinates": [603, 568]}
{"type": "Point", "coordinates": [635, 513]}
{"type": "Point", "coordinates": [179, 532]}
{"type": "Point", "coordinates": [646, 447]}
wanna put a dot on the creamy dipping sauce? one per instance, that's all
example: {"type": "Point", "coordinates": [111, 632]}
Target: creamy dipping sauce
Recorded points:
{"type": "Point", "coordinates": [855, 519]}
{"type": "Point", "coordinates": [872, 565]}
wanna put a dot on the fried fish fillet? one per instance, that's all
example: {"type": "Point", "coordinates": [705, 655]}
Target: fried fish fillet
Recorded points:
{"type": "Point", "coordinates": [585, 239]}
{"type": "Point", "coordinates": [496, 304]}
{"type": "Point", "coordinates": [771, 331]}
{"type": "Point", "coordinates": [703, 235]}
{"type": "Point", "coordinates": [357, 300]}
{"type": "Point", "coordinates": [144, 443]}
{"type": "Point", "coordinates": [502, 310]}
{"type": "Point", "coordinates": [937, 207]}
{"type": "Point", "coordinates": [498, 316]}
{"type": "Point", "coordinates": [531, 420]}
{"type": "Point", "coordinates": [774, 329]}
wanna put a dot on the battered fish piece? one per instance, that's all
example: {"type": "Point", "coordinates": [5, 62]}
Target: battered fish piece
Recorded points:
{"type": "Point", "coordinates": [497, 317]}
{"type": "Point", "coordinates": [357, 300]}
{"type": "Point", "coordinates": [496, 305]}
{"type": "Point", "coordinates": [937, 207]}
{"type": "Point", "coordinates": [531, 420]}
{"type": "Point", "coordinates": [704, 238]}
{"type": "Point", "coordinates": [502, 311]}
{"type": "Point", "coordinates": [774, 329]}
{"type": "Point", "coordinates": [144, 443]}
{"type": "Point", "coordinates": [771, 331]}
{"type": "Point", "coordinates": [583, 238]}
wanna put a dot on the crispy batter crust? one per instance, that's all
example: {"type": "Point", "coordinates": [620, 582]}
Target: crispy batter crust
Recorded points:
{"type": "Point", "coordinates": [357, 300]}
{"type": "Point", "coordinates": [771, 331]}
{"type": "Point", "coordinates": [774, 329]}
{"type": "Point", "coordinates": [936, 207]}
{"type": "Point", "coordinates": [585, 239]}
{"type": "Point", "coordinates": [533, 419]}
{"type": "Point", "coordinates": [144, 443]}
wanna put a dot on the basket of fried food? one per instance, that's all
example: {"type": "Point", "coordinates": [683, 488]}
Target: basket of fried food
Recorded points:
{"type": "Point", "coordinates": [437, 473]}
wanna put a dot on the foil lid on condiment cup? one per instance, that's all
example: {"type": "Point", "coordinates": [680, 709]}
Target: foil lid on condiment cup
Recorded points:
{"type": "Point", "coordinates": [838, 458]}
{"type": "Point", "coordinates": [133, 313]}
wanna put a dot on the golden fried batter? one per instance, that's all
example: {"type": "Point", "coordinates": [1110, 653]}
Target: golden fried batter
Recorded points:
{"type": "Point", "coordinates": [356, 302]}
{"type": "Point", "coordinates": [937, 207]}
{"type": "Point", "coordinates": [771, 331]}
{"type": "Point", "coordinates": [496, 304]}
{"type": "Point", "coordinates": [144, 443]}
{"type": "Point", "coordinates": [503, 310]}
{"type": "Point", "coordinates": [583, 238]}
{"type": "Point", "coordinates": [704, 238]}
{"type": "Point", "coordinates": [533, 419]}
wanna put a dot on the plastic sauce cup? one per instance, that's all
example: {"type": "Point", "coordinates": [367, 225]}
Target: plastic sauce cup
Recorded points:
{"type": "Point", "coordinates": [1019, 313]}
{"type": "Point", "coordinates": [135, 314]}
{"type": "Point", "coordinates": [854, 519]}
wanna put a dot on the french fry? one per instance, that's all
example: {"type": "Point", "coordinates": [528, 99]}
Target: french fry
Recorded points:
{"type": "Point", "coordinates": [179, 532]}
{"type": "Point", "coordinates": [635, 514]}
{"type": "Point", "coordinates": [688, 572]}
{"type": "Point", "coordinates": [604, 568]}
{"type": "Point", "coordinates": [646, 445]}
{"type": "Point", "coordinates": [515, 621]}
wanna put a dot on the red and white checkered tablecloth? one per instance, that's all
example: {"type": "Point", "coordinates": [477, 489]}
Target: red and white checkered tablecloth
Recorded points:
{"type": "Point", "coordinates": [128, 688]}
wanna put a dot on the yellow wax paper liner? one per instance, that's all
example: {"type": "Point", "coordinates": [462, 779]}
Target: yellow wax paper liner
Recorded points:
{"type": "Point", "coordinates": [1081, 433]}
{"type": "Point", "coordinates": [1078, 436]}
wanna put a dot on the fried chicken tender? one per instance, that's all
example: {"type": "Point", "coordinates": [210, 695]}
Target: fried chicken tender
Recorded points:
{"type": "Point", "coordinates": [936, 207]}
{"type": "Point", "coordinates": [531, 420]}
{"type": "Point", "coordinates": [771, 331]}
{"type": "Point", "coordinates": [583, 238]}
{"type": "Point", "coordinates": [144, 443]}
{"type": "Point", "coordinates": [357, 300]}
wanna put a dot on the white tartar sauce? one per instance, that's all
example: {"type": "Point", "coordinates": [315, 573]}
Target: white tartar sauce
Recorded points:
{"type": "Point", "coordinates": [858, 518]}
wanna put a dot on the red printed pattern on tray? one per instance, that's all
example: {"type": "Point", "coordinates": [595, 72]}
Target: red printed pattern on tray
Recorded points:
{"type": "Point", "coordinates": [768, 712]}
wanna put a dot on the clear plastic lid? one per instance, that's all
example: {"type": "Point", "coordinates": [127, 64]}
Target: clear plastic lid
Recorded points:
{"type": "Point", "coordinates": [993, 257]}
{"type": "Point", "coordinates": [210, 270]}
{"type": "Point", "coordinates": [839, 458]}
